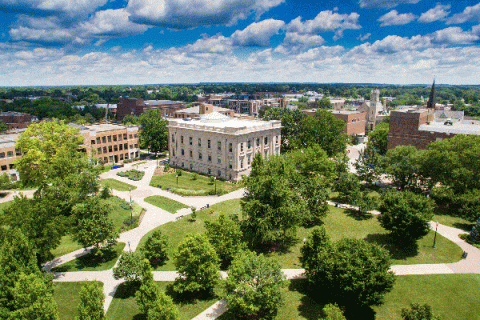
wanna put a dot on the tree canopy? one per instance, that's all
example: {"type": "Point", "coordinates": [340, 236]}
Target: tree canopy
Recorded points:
{"type": "Point", "coordinates": [154, 133]}
{"type": "Point", "coordinates": [290, 119]}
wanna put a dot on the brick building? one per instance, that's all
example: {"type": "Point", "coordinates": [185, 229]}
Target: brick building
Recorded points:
{"type": "Point", "coordinates": [355, 121]}
{"type": "Point", "coordinates": [8, 154]}
{"type": "Point", "coordinates": [419, 127]}
{"type": "Point", "coordinates": [111, 143]}
{"type": "Point", "coordinates": [221, 146]}
{"type": "Point", "coordinates": [17, 120]}
{"type": "Point", "coordinates": [201, 109]}
{"type": "Point", "coordinates": [134, 106]}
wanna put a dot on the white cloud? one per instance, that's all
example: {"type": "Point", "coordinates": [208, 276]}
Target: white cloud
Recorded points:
{"type": "Point", "coordinates": [113, 23]}
{"type": "Point", "coordinates": [47, 36]}
{"type": "Point", "coordinates": [370, 4]}
{"type": "Point", "coordinates": [453, 35]}
{"type": "Point", "coordinates": [257, 33]}
{"type": "Point", "coordinates": [72, 8]}
{"type": "Point", "coordinates": [392, 18]}
{"type": "Point", "coordinates": [215, 44]}
{"type": "Point", "coordinates": [364, 37]}
{"type": "Point", "coordinates": [325, 21]}
{"type": "Point", "coordinates": [440, 12]}
{"type": "Point", "coordinates": [469, 14]}
{"type": "Point", "coordinates": [116, 48]}
{"type": "Point", "coordinates": [184, 14]}
{"type": "Point", "coordinates": [296, 43]}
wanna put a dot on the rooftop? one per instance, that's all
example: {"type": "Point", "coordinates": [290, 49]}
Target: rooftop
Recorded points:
{"type": "Point", "coordinates": [101, 127]}
{"type": "Point", "coordinates": [196, 110]}
{"type": "Point", "coordinates": [464, 127]}
{"type": "Point", "coordinates": [9, 138]}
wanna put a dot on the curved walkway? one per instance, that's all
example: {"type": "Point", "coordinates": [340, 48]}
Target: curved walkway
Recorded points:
{"type": "Point", "coordinates": [155, 217]}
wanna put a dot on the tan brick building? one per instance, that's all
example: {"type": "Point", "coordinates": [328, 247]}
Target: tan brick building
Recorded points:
{"type": "Point", "coordinates": [201, 109]}
{"type": "Point", "coordinates": [111, 143]}
{"type": "Point", "coordinates": [8, 154]}
{"type": "Point", "coordinates": [418, 128]}
{"type": "Point", "coordinates": [355, 121]}
{"type": "Point", "coordinates": [221, 146]}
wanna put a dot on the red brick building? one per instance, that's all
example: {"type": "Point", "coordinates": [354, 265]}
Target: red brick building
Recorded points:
{"type": "Point", "coordinates": [134, 106]}
{"type": "Point", "coordinates": [355, 121]}
{"type": "Point", "coordinates": [16, 120]}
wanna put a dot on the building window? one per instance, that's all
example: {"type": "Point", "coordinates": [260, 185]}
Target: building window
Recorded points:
{"type": "Point", "coordinates": [230, 149]}
{"type": "Point", "coordinates": [4, 168]}
{"type": "Point", "coordinates": [110, 159]}
{"type": "Point", "coordinates": [191, 166]}
{"type": "Point", "coordinates": [121, 157]}
{"type": "Point", "coordinates": [130, 136]}
{"type": "Point", "coordinates": [18, 152]}
{"type": "Point", "coordinates": [92, 141]}
{"type": "Point", "coordinates": [219, 173]}
{"type": "Point", "coordinates": [241, 163]}
{"type": "Point", "coordinates": [183, 164]}
{"type": "Point", "coordinates": [230, 164]}
{"type": "Point", "coordinates": [124, 136]}
{"type": "Point", "coordinates": [104, 149]}
{"type": "Point", "coordinates": [191, 154]}
{"type": "Point", "coordinates": [119, 137]}
{"type": "Point", "coordinates": [9, 153]}
{"type": "Point", "coordinates": [248, 160]}
{"type": "Point", "coordinates": [181, 139]}
{"type": "Point", "coordinates": [131, 146]}
{"type": "Point", "coordinates": [173, 153]}
{"type": "Point", "coordinates": [173, 138]}
{"type": "Point", "coordinates": [109, 138]}
{"type": "Point", "coordinates": [115, 148]}
{"type": "Point", "coordinates": [199, 156]}
{"type": "Point", "coordinates": [120, 147]}
{"type": "Point", "coordinates": [219, 145]}
{"type": "Point", "coordinates": [125, 146]}
{"type": "Point", "coordinates": [135, 135]}
{"type": "Point", "coordinates": [266, 153]}
{"type": "Point", "coordinates": [241, 147]}
{"type": "Point", "coordinates": [199, 142]}
{"type": "Point", "coordinates": [115, 137]}
{"type": "Point", "coordinates": [183, 152]}
{"type": "Point", "coordinates": [208, 144]}
{"type": "Point", "coordinates": [126, 156]}
{"type": "Point", "coordinates": [190, 140]}
{"type": "Point", "coordinates": [98, 140]}
{"type": "Point", "coordinates": [219, 160]}
{"type": "Point", "coordinates": [258, 142]}
{"type": "Point", "coordinates": [249, 144]}
{"type": "Point", "coordinates": [266, 140]}
{"type": "Point", "coordinates": [110, 149]}
{"type": "Point", "coordinates": [209, 158]}
{"type": "Point", "coordinates": [99, 150]}
{"type": "Point", "coordinates": [104, 139]}
{"type": "Point", "coordinates": [209, 171]}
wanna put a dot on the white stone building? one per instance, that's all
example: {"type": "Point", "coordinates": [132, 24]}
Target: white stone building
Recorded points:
{"type": "Point", "coordinates": [373, 108]}
{"type": "Point", "coordinates": [221, 146]}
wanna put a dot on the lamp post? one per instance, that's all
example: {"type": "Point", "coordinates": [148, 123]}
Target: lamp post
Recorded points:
{"type": "Point", "coordinates": [131, 207]}
{"type": "Point", "coordinates": [177, 180]}
{"type": "Point", "coordinates": [435, 236]}
{"type": "Point", "coordinates": [215, 178]}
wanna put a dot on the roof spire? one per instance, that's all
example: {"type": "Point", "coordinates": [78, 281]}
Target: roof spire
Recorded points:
{"type": "Point", "coordinates": [431, 99]}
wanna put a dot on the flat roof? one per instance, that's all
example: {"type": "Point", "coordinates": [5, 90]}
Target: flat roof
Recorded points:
{"type": "Point", "coordinates": [196, 110]}
{"type": "Point", "coordinates": [224, 123]}
{"type": "Point", "coordinates": [456, 128]}
{"type": "Point", "coordinates": [102, 127]}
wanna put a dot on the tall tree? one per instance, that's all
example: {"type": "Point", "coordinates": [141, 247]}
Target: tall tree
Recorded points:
{"type": "Point", "coordinates": [129, 267]}
{"type": "Point", "coordinates": [91, 302]}
{"type": "Point", "coordinates": [226, 237]}
{"type": "Point", "coordinates": [323, 129]}
{"type": "Point", "coordinates": [254, 286]}
{"type": "Point", "coordinates": [406, 215]}
{"type": "Point", "coordinates": [148, 293]}
{"type": "Point", "coordinates": [50, 150]}
{"type": "Point", "coordinates": [155, 248]}
{"type": "Point", "coordinates": [197, 264]}
{"type": "Point", "coordinates": [290, 119]}
{"type": "Point", "coordinates": [154, 132]}
{"type": "Point", "coordinates": [378, 138]}
{"type": "Point", "coordinates": [163, 308]}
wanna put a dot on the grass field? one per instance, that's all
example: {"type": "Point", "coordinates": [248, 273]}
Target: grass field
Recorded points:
{"type": "Point", "coordinates": [118, 216]}
{"type": "Point", "coordinates": [124, 307]}
{"type": "Point", "coordinates": [339, 224]}
{"type": "Point", "coordinates": [454, 222]}
{"type": "Point", "coordinates": [4, 205]}
{"type": "Point", "coordinates": [165, 203]}
{"type": "Point", "coordinates": [189, 187]}
{"type": "Point", "coordinates": [89, 262]}
{"type": "Point", "coordinates": [67, 296]}
{"type": "Point", "coordinates": [117, 185]}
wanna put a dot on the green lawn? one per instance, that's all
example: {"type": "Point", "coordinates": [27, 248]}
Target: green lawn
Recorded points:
{"type": "Point", "coordinates": [117, 185]}
{"type": "Point", "coordinates": [176, 231]}
{"type": "Point", "coordinates": [124, 307]}
{"type": "Point", "coordinates": [165, 203]}
{"type": "Point", "coordinates": [4, 205]}
{"type": "Point", "coordinates": [119, 216]}
{"type": "Point", "coordinates": [455, 222]}
{"type": "Point", "coordinates": [452, 296]}
{"type": "Point", "coordinates": [89, 262]}
{"type": "Point", "coordinates": [67, 296]}
{"type": "Point", "coordinates": [339, 224]}
{"type": "Point", "coordinates": [189, 187]}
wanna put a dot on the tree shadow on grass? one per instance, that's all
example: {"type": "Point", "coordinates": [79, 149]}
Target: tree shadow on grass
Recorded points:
{"type": "Point", "coordinates": [397, 250]}
{"type": "Point", "coordinates": [358, 215]}
{"type": "Point", "coordinates": [313, 301]}
{"type": "Point", "coordinates": [90, 260]}
{"type": "Point", "coordinates": [464, 226]}
{"type": "Point", "coordinates": [126, 291]}
{"type": "Point", "coordinates": [187, 298]}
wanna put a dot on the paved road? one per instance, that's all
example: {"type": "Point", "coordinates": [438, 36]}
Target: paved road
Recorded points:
{"type": "Point", "coordinates": [155, 217]}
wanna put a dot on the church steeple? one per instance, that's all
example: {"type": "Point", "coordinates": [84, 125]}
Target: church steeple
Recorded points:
{"type": "Point", "coordinates": [431, 99]}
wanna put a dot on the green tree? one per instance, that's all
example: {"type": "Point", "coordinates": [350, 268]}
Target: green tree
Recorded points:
{"type": "Point", "coordinates": [290, 119]}
{"type": "Point", "coordinates": [33, 296]}
{"type": "Point", "coordinates": [154, 132]}
{"type": "Point", "coordinates": [148, 293]}
{"type": "Point", "coordinates": [475, 232]}
{"type": "Point", "coordinates": [419, 312]}
{"type": "Point", "coordinates": [406, 215]}
{"type": "Point", "coordinates": [226, 236]}
{"type": "Point", "coordinates": [91, 302]}
{"type": "Point", "coordinates": [5, 181]}
{"type": "Point", "coordinates": [368, 165]}
{"type": "Point", "coordinates": [322, 129]}
{"type": "Point", "coordinates": [3, 127]}
{"type": "Point", "coordinates": [197, 264]}
{"type": "Point", "coordinates": [324, 103]}
{"type": "Point", "coordinates": [129, 267]}
{"type": "Point", "coordinates": [93, 225]}
{"type": "Point", "coordinates": [50, 150]}
{"type": "Point", "coordinates": [354, 272]}
{"type": "Point", "coordinates": [404, 165]}
{"type": "Point", "coordinates": [378, 137]}
{"type": "Point", "coordinates": [254, 286]}
{"type": "Point", "coordinates": [16, 257]}
{"type": "Point", "coordinates": [156, 247]}
{"type": "Point", "coordinates": [163, 309]}
{"type": "Point", "coordinates": [39, 221]}
{"type": "Point", "coordinates": [333, 312]}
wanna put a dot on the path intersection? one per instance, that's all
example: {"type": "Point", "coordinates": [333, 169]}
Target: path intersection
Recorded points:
{"type": "Point", "coordinates": [155, 217]}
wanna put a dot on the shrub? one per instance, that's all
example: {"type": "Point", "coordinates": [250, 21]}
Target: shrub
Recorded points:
{"type": "Point", "coordinates": [475, 233]}
{"type": "Point", "coordinates": [129, 267]}
{"type": "Point", "coordinates": [178, 172]}
{"type": "Point", "coordinates": [155, 248]}
{"type": "Point", "coordinates": [132, 174]}
{"type": "Point", "coordinates": [419, 312]}
{"type": "Point", "coordinates": [194, 176]}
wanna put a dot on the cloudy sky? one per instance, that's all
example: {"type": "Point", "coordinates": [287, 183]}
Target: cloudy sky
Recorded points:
{"type": "Point", "coordinates": [70, 42]}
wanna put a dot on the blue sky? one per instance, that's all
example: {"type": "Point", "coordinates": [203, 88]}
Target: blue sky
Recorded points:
{"type": "Point", "coordinates": [90, 42]}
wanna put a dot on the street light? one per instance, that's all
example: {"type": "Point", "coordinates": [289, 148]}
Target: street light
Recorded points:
{"type": "Point", "coordinates": [131, 207]}
{"type": "Point", "coordinates": [215, 178]}
{"type": "Point", "coordinates": [435, 237]}
{"type": "Point", "coordinates": [177, 180]}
